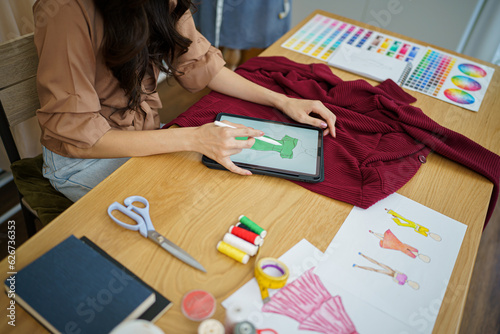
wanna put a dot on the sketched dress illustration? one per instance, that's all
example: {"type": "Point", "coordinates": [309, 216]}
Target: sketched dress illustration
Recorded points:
{"type": "Point", "coordinates": [290, 147]}
{"type": "Point", "coordinates": [397, 276]}
{"type": "Point", "coordinates": [286, 149]}
{"type": "Point", "coordinates": [401, 221]}
{"type": "Point", "coordinates": [389, 241]}
{"type": "Point", "coordinates": [308, 301]}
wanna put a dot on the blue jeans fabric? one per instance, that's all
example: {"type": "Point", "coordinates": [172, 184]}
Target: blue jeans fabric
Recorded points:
{"type": "Point", "coordinates": [76, 177]}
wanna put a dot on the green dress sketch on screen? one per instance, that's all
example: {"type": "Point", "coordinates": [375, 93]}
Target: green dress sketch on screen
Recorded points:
{"type": "Point", "coordinates": [286, 149]}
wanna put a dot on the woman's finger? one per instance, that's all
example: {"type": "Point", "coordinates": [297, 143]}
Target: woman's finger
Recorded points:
{"type": "Point", "coordinates": [243, 144]}
{"type": "Point", "coordinates": [328, 117]}
{"type": "Point", "coordinates": [230, 166]}
{"type": "Point", "coordinates": [236, 125]}
{"type": "Point", "coordinates": [241, 131]}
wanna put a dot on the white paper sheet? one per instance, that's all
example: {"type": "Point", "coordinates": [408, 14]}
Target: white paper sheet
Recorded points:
{"type": "Point", "coordinates": [417, 309]}
{"type": "Point", "coordinates": [300, 258]}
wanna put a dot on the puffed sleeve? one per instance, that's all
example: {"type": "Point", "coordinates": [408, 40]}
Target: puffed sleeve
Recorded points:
{"type": "Point", "coordinates": [201, 62]}
{"type": "Point", "coordinates": [69, 113]}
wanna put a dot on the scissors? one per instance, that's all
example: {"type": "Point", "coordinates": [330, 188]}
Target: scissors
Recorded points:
{"type": "Point", "coordinates": [146, 228]}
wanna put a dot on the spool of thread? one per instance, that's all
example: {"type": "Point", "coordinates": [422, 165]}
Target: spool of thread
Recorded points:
{"type": "Point", "coordinates": [241, 244]}
{"type": "Point", "coordinates": [211, 326]}
{"type": "Point", "coordinates": [252, 226]}
{"type": "Point", "coordinates": [246, 235]}
{"type": "Point", "coordinates": [236, 313]}
{"type": "Point", "coordinates": [243, 226]}
{"type": "Point", "coordinates": [137, 326]}
{"type": "Point", "coordinates": [244, 327]}
{"type": "Point", "coordinates": [198, 305]}
{"type": "Point", "coordinates": [233, 252]}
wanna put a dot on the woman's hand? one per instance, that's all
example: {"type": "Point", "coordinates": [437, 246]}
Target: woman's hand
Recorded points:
{"type": "Point", "coordinates": [301, 110]}
{"type": "Point", "coordinates": [219, 143]}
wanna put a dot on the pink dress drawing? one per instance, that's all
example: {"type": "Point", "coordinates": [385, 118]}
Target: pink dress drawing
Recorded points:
{"type": "Point", "coordinates": [330, 317]}
{"type": "Point", "coordinates": [390, 241]}
{"type": "Point", "coordinates": [309, 302]}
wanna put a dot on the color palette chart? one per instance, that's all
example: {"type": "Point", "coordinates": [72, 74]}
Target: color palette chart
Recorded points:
{"type": "Point", "coordinates": [322, 35]}
{"type": "Point", "coordinates": [450, 78]}
{"type": "Point", "coordinates": [435, 73]}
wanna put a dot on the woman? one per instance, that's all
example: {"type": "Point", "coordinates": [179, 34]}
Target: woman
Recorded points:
{"type": "Point", "coordinates": [99, 62]}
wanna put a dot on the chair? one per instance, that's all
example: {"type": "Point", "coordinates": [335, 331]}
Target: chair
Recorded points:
{"type": "Point", "coordinates": [18, 103]}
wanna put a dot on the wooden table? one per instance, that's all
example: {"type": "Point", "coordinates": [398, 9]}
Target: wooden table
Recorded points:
{"type": "Point", "coordinates": [194, 206]}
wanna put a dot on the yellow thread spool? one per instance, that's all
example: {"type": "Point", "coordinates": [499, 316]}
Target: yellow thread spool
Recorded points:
{"type": "Point", "coordinates": [233, 252]}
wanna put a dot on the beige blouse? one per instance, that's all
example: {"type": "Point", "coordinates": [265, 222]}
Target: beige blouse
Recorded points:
{"type": "Point", "coordinates": [79, 96]}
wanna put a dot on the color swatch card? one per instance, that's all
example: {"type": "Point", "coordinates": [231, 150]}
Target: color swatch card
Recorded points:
{"type": "Point", "coordinates": [435, 73]}
{"type": "Point", "coordinates": [450, 78]}
{"type": "Point", "coordinates": [371, 65]}
{"type": "Point", "coordinates": [322, 35]}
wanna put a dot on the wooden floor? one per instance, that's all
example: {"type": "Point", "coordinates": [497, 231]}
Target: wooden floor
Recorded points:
{"type": "Point", "coordinates": [482, 310]}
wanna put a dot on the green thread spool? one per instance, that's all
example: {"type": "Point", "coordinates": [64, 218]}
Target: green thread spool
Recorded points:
{"type": "Point", "coordinates": [252, 226]}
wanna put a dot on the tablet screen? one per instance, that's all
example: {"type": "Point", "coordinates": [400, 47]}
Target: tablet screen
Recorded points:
{"type": "Point", "coordinates": [299, 152]}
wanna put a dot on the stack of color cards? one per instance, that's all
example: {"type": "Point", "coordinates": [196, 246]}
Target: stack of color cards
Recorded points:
{"type": "Point", "coordinates": [322, 35]}
{"type": "Point", "coordinates": [243, 240]}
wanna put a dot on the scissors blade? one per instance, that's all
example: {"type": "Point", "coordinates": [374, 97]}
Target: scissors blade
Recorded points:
{"type": "Point", "coordinates": [175, 250]}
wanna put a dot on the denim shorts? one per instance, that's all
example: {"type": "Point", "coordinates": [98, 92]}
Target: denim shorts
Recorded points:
{"type": "Point", "coordinates": [76, 177]}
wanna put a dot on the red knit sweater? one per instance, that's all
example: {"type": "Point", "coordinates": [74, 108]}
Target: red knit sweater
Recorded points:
{"type": "Point", "coordinates": [381, 139]}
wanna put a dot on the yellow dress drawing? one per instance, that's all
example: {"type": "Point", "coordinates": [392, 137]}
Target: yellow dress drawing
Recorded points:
{"type": "Point", "coordinates": [402, 221]}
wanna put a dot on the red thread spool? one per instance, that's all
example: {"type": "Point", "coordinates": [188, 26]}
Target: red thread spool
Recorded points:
{"type": "Point", "coordinates": [246, 235]}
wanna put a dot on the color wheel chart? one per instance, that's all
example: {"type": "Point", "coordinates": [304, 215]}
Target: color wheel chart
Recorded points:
{"type": "Point", "coordinates": [322, 35]}
{"type": "Point", "coordinates": [451, 79]}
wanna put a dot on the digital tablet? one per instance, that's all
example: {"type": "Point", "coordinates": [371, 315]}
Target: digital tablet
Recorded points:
{"type": "Point", "coordinates": [299, 157]}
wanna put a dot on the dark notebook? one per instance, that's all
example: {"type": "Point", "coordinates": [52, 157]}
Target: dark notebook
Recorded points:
{"type": "Point", "coordinates": [74, 288]}
{"type": "Point", "coordinates": [161, 305]}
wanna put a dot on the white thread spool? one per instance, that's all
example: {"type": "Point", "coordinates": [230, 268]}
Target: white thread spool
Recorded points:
{"type": "Point", "coordinates": [241, 244]}
{"type": "Point", "coordinates": [235, 313]}
{"type": "Point", "coordinates": [137, 326]}
{"type": "Point", "coordinates": [211, 326]}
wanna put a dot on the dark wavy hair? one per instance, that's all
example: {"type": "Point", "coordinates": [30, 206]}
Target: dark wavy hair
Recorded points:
{"type": "Point", "coordinates": [138, 34]}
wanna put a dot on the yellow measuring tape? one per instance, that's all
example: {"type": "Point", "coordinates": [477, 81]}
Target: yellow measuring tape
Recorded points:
{"type": "Point", "coordinates": [267, 281]}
